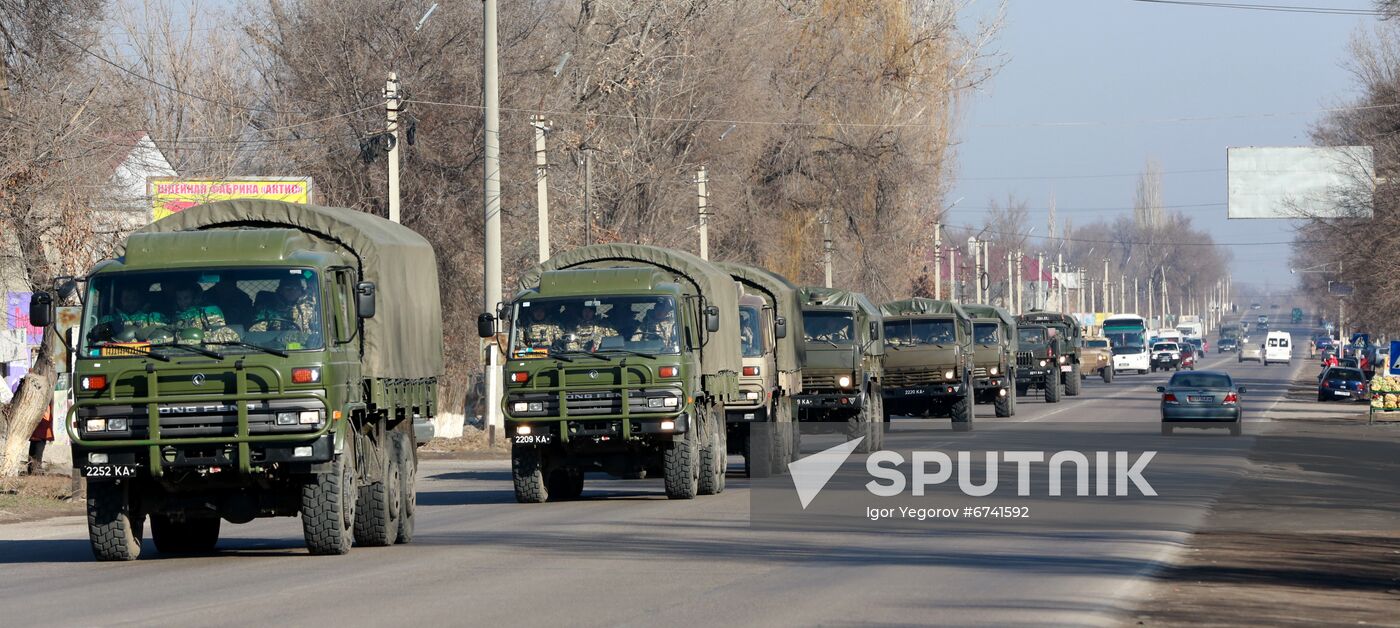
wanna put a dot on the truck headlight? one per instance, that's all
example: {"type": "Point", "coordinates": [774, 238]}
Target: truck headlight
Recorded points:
{"type": "Point", "coordinates": [537, 406]}
{"type": "Point", "coordinates": [655, 402]}
{"type": "Point", "coordinates": [948, 374]}
{"type": "Point", "coordinates": [844, 381]}
{"type": "Point", "coordinates": [1042, 362]}
{"type": "Point", "coordinates": [1062, 359]}
{"type": "Point", "coordinates": [520, 406]}
{"type": "Point", "coordinates": [992, 370]}
{"type": "Point", "coordinates": [116, 425]}
{"type": "Point", "coordinates": [95, 425]}
{"type": "Point", "coordinates": [309, 417]}
{"type": "Point", "coordinates": [286, 418]}
{"type": "Point", "coordinates": [672, 402]}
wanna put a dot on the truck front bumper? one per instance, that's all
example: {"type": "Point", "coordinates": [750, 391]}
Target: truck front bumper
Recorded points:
{"type": "Point", "coordinates": [931, 391]}
{"type": "Point", "coordinates": [602, 431]}
{"type": "Point", "coordinates": [92, 461]}
{"type": "Point", "coordinates": [829, 401]}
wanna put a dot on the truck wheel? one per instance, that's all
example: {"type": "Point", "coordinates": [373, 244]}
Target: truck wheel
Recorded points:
{"type": "Point", "coordinates": [328, 508]}
{"type": "Point", "coordinates": [961, 412]}
{"type": "Point", "coordinates": [858, 426]}
{"type": "Point", "coordinates": [377, 516]}
{"type": "Point", "coordinates": [1073, 382]}
{"type": "Point", "coordinates": [1053, 388]}
{"type": "Point", "coordinates": [712, 459]}
{"type": "Point", "coordinates": [784, 435]}
{"type": "Point", "coordinates": [1011, 402]}
{"type": "Point", "coordinates": [190, 536]}
{"type": "Point", "coordinates": [405, 456]}
{"type": "Point", "coordinates": [527, 474]}
{"type": "Point", "coordinates": [680, 468]}
{"type": "Point", "coordinates": [1003, 404]}
{"type": "Point", "coordinates": [878, 421]}
{"type": "Point", "coordinates": [115, 526]}
{"type": "Point", "coordinates": [1107, 374]}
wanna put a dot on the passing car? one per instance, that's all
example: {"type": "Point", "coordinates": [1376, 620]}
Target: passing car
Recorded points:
{"type": "Point", "coordinates": [1227, 344]}
{"type": "Point", "coordinates": [1254, 306]}
{"type": "Point", "coordinates": [1166, 356]}
{"type": "Point", "coordinates": [1253, 353]}
{"type": "Point", "coordinates": [1096, 356]}
{"type": "Point", "coordinates": [1263, 319]}
{"type": "Point", "coordinates": [1340, 382]}
{"type": "Point", "coordinates": [1322, 343]}
{"type": "Point", "coordinates": [1199, 399]}
{"type": "Point", "coordinates": [1197, 346]}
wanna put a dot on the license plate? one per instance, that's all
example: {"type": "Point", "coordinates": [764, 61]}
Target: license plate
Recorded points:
{"type": "Point", "coordinates": [1164, 359]}
{"type": "Point", "coordinates": [1066, 368]}
{"type": "Point", "coordinates": [915, 391]}
{"type": "Point", "coordinates": [110, 471]}
{"type": "Point", "coordinates": [534, 439]}
{"type": "Point", "coordinates": [801, 401]}
{"type": "Point", "coordinates": [1200, 398]}
{"type": "Point", "coordinates": [1342, 393]}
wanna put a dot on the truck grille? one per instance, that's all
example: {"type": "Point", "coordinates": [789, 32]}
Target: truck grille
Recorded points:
{"type": "Point", "coordinates": [898, 379]}
{"type": "Point", "coordinates": [1025, 358]}
{"type": "Point", "coordinates": [585, 403]}
{"type": "Point", "coordinates": [810, 382]}
{"type": "Point", "coordinates": [979, 372]}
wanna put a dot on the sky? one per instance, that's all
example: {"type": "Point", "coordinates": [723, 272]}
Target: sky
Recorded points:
{"type": "Point", "coordinates": [1126, 68]}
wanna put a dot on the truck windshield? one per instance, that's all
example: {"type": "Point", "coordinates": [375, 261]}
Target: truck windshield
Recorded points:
{"type": "Point", "coordinates": [828, 327]}
{"type": "Point", "coordinates": [985, 333]}
{"type": "Point", "coordinates": [644, 324]}
{"type": "Point", "coordinates": [1031, 335]}
{"type": "Point", "coordinates": [273, 308]}
{"type": "Point", "coordinates": [750, 332]}
{"type": "Point", "coordinates": [920, 331]}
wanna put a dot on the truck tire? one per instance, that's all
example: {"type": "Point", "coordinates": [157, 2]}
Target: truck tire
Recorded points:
{"type": "Point", "coordinates": [1107, 374]}
{"type": "Point", "coordinates": [680, 467]}
{"type": "Point", "coordinates": [714, 456]}
{"type": "Point", "coordinates": [190, 536]}
{"type": "Point", "coordinates": [784, 435]}
{"type": "Point", "coordinates": [565, 484]}
{"type": "Point", "coordinates": [328, 508]}
{"type": "Point", "coordinates": [881, 425]}
{"type": "Point", "coordinates": [1004, 404]}
{"type": "Point", "coordinates": [961, 412]}
{"type": "Point", "coordinates": [859, 426]}
{"type": "Point", "coordinates": [114, 524]}
{"type": "Point", "coordinates": [527, 474]}
{"type": "Point", "coordinates": [377, 516]}
{"type": "Point", "coordinates": [406, 456]}
{"type": "Point", "coordinates": [1073, 381]}
{"type": "Point", "coordinates": [1053, 388]}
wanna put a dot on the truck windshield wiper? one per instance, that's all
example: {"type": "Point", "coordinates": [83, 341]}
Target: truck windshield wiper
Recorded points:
{"type": "Point", "coordinates": [142, 350]}
{"type": "Point", "coordinates": [636, 353]}
{"type": "Point", "coordinates": [202, 351]}
{"type": "Point", "coordinates": [239, 343]}
{"type": "Point", "coordinates": [596, 356]}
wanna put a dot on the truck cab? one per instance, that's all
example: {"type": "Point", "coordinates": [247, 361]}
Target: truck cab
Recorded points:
{"type": "Point", "coordinates": [994, 355]}
{"type": "Point", "coordinates": [1063, 338]}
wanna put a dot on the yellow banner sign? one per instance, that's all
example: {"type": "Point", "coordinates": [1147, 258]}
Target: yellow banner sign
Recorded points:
{"type": "Point", "coordinates": [169, 196]}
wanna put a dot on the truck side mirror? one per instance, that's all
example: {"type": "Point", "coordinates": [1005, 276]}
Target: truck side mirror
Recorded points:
{"type": "Point", "coordinates": [66, 286]}
{"type": "Point", "coordinates": [712, 319]}
{"type": "Point", "coordinates": [364, 299]}
{"type": "Point", "coordinates": [486, 325]}
{"type": "Point", "coordinates": [41, 309]}
{"type": "Point", "coordinates": [780, 328]}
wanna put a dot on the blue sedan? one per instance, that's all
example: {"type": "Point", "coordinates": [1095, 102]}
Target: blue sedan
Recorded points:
{"type": "Point", "coordinates": [1339, 382]}
{"type": "Point", "coordinates": [1201, 399]}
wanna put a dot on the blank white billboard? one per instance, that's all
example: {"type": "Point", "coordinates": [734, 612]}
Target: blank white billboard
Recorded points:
{"type": "Point", "coordinates": [1300, 181]}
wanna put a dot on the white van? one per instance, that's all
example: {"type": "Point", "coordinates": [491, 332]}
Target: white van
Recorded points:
{"type": "Point", "coordinates": [1278, 347]}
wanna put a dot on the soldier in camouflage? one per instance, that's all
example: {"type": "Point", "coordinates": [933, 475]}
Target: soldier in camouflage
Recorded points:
{"type": "Point", "coordinates": [539, 331]}
{"type": "Point", "coordinates": [132, 314]}
{"type": "Point", "coordinates": [589, 332]}
{"type": "Point", "coordinates": [192, 313]}
{"type": "Point", "coordinates": [292, 311]}
{"type": "Point", "coordinates": [659, 324]}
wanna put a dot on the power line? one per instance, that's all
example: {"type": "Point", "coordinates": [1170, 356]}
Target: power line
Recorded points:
{"type": "Point", "coordinates": [1277, 8]}
{"type": "Point", "coordinates": [965, 208]}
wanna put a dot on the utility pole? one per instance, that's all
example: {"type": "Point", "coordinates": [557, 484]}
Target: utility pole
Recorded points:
{"type": "Point", "coordinates": [702, 205]}
{"type": "Point", "coordinates": [587, 196]}
{"type": "Point", "coordinates": [1106, 304]}
{"type": "Point", "coordinates": [1137, 293]}
{"type": "Point", "coordinates": [1059, 285]}
{"type": "Point", "coordinates": [937, 260]}
{"type": "Point", "coordinates": [974, 254]}
{"type": "Point", "coordinates": [826, 249]}
{"type": "Point", "coordinates": [491, 168]}
{"type": "Point", "coordinates": [542, 184]}
{"type": "Point", "coordinates": [954, 293]}
{"type": "Point", "coordinates": [1040, 288]}
{"type": "Point", "coordinates": [1020, 285]}
{"type": "Point", "coordinates": [1010, 299]}
{"type": "Point", "coordinates": [391, 109]}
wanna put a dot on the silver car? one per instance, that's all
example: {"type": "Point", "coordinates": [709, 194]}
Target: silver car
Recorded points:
{"type": "Point", "coordinates": [1251, 352]}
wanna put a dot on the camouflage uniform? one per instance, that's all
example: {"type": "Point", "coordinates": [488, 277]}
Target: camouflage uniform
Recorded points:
{"type": "Point", "coordinates": [209, 319]}
{"type": "Point", "coordinates": [589, 335]}
{"type": "Point", "coordinates": [542, 334]}
{"type": "Point", "coordinates": [297, 321]}
{"type": "Point", "coordinates": [119, 321]}
{"type": "Point", "coordinates": [664, 329]}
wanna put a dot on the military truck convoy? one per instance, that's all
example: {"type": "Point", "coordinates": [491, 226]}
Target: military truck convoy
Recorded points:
{"type": "Point", "coordinates": [247, 359]}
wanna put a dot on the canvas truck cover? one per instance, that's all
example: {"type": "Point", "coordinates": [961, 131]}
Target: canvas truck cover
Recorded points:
{"type": "Point", "coordinates": [865, 310]}
{"type": "Point", "coordinates": [991, 312]}
{"type": "Point", "coordinates": [917, 306]}
{"type": "Point", "coordinates": [787, 303]}
{"type": "Point", "coordinates": [1048, 318]}
{"type": "Point", "coordinates": [404, 339]}
{"type": "Point", "coordinates": [722, 352]}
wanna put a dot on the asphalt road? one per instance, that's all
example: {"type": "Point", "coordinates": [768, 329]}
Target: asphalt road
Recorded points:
{"type": "Point", "coordinates": [623, 555]}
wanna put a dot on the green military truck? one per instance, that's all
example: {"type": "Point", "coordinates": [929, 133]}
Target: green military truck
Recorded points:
{"type": "Point", "coordinates": [622, 359]}
{"type": "Point", "coordinates": [770, 318]}
{"type": "Point", "coordinates": [928, 362]}
{"type": "Point", "coordinates": [994, 357]}
{"type": "Point", "coordinates": [1048, 354]}
{"type": "Point", "coordinates": [247, 359]}
{"type": "Point", "coordinates": [841, 380]}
